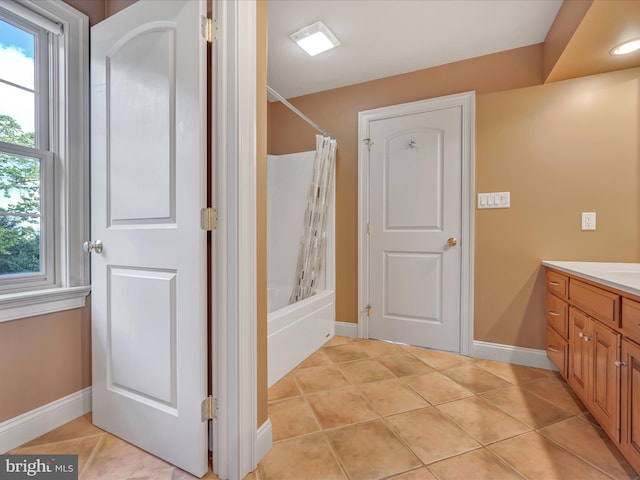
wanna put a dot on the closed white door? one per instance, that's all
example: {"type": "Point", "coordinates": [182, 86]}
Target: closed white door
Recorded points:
{"type": "Point", "coordinates": [148, 184]}
{"type": "Point", "coordinates": [415, 168]}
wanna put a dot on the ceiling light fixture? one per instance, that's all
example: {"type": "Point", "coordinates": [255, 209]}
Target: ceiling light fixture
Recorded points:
{"type": "Point", "coordinates": [626, 47]}
{"type": "Point", "coordinates": [315, 39]}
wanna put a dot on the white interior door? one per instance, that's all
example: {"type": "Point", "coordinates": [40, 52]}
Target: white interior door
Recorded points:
{"type": "Point", "coordinates": [415, 208]}
{"type": "Point", "coordinates": [148, 184]}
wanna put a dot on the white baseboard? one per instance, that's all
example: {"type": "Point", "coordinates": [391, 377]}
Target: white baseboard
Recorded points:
{"type": "Point", "coordinates": [264, 441]}
{"type": "Point", "coordinates": [347, 329]}
{"type": "Point", "coordinates": [24, 428]}
{"type": "Point", "coordinates": [529, 357]}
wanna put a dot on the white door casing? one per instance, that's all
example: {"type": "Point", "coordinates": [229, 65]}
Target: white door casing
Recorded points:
{"type": "Point", "coordinates": [148, 184]}
{"type": "Point", "coordinates": [416, 192]}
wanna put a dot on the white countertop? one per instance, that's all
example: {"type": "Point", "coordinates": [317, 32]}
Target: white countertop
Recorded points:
{"type": "Point", "coordinates": [621, 276]}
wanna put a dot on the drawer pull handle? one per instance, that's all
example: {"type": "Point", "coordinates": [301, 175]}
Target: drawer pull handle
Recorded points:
{"type": "Point", "coordinates": [556, 314]}
{"type": "Point", "coordinates": [581, 334]}
{"type": "Point", "coordinates": [618, 363]}
{"type": "Point", "coordinates": [555, 284]}
{"type": "Point", "coordinates": [553, 348]}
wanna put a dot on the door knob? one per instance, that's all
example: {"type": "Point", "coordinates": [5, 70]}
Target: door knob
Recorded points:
{"type": "Point", "coordinates": [90, 247]}
{"type": "Point", "coordinates": [452, 242]}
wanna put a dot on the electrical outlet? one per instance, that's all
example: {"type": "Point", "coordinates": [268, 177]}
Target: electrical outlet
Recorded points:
{"type": "Point", "coordinates": [588, 220]}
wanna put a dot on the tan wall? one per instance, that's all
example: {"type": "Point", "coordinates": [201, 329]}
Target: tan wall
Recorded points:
{"type": "Point", "coordinates": [43, 359]}
{"type": "Point", "coordinates": [551, 146]}
{"type": "Point", "coordinates": [261, 198]}
{"type": "Point", "coordinates": [337, 112]}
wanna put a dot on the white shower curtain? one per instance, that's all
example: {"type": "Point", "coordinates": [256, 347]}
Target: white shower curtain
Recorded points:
{"type": "Point", "coordinates": [311, 256]}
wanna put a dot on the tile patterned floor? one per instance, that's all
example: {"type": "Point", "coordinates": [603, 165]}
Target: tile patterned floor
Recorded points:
{"type": "Point", "coordinates": [369, 410]}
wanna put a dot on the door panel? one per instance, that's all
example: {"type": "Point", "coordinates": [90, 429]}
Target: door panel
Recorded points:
{"type": "Point", "coordinates": [149, 316]}
{"type": "Point", "coordinates": [415, 166]}
{"type": "Point", "coordinates": [579, 353]}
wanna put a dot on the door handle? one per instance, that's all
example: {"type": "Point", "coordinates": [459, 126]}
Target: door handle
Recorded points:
{"type": "Point", "coordinates": [90, 247]}
{"type": "Point", "coordinates": [452, 242]}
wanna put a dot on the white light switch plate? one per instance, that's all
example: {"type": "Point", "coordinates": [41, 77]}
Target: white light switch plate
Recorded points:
{"type": "Point", "coordinates": [494, 200]}
{"type": "Point", "coordinates": [588, 220]}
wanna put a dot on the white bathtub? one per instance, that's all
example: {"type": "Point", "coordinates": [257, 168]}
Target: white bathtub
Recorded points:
{"type": "Point", "coordinates": [296, 331]}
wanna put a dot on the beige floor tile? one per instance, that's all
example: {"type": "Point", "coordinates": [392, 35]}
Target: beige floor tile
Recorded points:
{"type": "Point", "coordinates": [371, 451]}
{"type": "Point", "coordinates": [593, 446]}
{"type": "Point", "coordinates": [437, 388]}
{"type": "Point", "coordinates": [514, 374]}
{"type": "Point", "coordinates": [376, 348]}
{"type": "Point", "coordinates": [345, 353]}
{"type": "Point", "coordinates": [182, 475]}
{"type": "Point", "coordinates": [405, 364]}
{"type": "Point", "coordinates": [316, 359]}
{"type": "Point", "coordinates": [308, 458]}
{"type": "Point", "coordinates": [339, 340]}
{"type": "Point", "coordinates": [437, 359]}
{"type": "Point", "coordinates": [430, 435]}
{"type": "Point", "coordinates": [527, 407]}
{"type": "Point", "coordinates": [477, 465]}
{"type": "Point", "coordinates": [363, 371]}
{"type": "Point", "coordinates": [483, 421]}
{"type": "Point", "coordinates": [83, 447]}
{"type": "Point", "coordinates": [391, 396]}
{"type": "Point", "coordinates": [535, 457]}
{"type": "Point", "coordinates": [284, 388]}
{"type": "Point", "coordinates": [340, 406]}
{"type": "Point", "coordinates": [80, 427]}
{"type": "Point", "coordinates": [420, 474]}
{"type": "Point", "coordinates": [116, 459]}
{"type": "Point", "coordinates": [291, 418]}
{"type": "Point", "coordinates": [557, 391]}
{"type": "Point", "coordinates": [474, 378]}
{"type": "Point", "coordinates": [316, 379]}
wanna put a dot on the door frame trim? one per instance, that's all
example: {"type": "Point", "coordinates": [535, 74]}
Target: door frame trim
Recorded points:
{"type": "Point", "coordinates": [466, 101]}
{"type": "Point", "coordinates": [233, 289]}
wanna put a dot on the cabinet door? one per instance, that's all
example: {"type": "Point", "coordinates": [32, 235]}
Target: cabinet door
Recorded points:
{"type": "Point", "coordinates": [630, 441]}
{"type": "Point", "coordinates": [579, 353]}
{"type": "Point", "coordinates": [604, 400]}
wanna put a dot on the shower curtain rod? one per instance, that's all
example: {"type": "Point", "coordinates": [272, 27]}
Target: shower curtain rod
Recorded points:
{"type": "Point", "coordinates": [296, 111]}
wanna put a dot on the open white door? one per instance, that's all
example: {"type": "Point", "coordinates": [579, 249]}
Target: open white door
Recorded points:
{"type": "Point", "coordinates": [148, 184]}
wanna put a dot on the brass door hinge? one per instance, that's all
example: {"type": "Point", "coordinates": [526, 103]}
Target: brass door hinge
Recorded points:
{"type": "Point", "coordinates": [368, 307]}
{"type": "Point", "coordinates": [369, 143]}
{"type": "Point", "coordinates": [208, 219]}
{"type": "Point", "coordinates": [207, 28]}
{"type": "Point", "coordinates": [209, 409]}
{"type": "Point", "coordinates": [368, 229]}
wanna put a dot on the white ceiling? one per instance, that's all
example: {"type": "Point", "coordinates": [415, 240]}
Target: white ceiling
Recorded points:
{"type": "Point", "coordinates": [381, 38]}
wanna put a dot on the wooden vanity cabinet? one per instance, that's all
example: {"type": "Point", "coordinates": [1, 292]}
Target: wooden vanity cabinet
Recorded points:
{"type": "Point", "coordinates": [630, 421]}
{"type": "Point", "coordinates": [557, 312]}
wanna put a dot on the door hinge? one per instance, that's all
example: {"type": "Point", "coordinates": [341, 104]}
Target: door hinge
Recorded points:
{"type": "Point", "coordinates": [209, 408]}
{"type": "Point", "coordinates": [208, 219]}
{"type": "Point", "coordinates": [207, 28]}
{"type": "Point", "coordinates": [368, 229]}
{"type": "Point", "coordinates": [369, 143]}
{"type": "Point", "coordinates": [368, 307]}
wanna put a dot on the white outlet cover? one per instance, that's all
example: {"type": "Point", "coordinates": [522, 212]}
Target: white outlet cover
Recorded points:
{"type": "Point", "coordinates": [588, 220]}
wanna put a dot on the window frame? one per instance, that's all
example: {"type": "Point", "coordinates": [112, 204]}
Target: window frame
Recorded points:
{"type": "Point", "coordinates": [69, 141]}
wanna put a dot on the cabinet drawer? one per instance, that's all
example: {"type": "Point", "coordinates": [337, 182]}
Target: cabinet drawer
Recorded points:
{"type": "Point", "coordinates": [557, 350]}
{"type": "Point", "coordinates": [631, 319]}
{"type": "Point", "coordinates": [600, 304]}
{"type": "Point", "coordinates": [558, 284]}
{"type": "Point", "coordinates": [558, 315]}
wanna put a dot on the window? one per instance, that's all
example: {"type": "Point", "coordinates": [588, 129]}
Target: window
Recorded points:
{"type": "Point", "coordinates": [43, 157]}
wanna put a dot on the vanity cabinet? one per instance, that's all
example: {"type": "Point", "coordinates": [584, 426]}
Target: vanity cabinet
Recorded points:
{"type": "Point", "coordinates": [594, 372]}
{"type": "Point", "coordinates": [593, 338]}
{"type": "Point", "coordinates": [630, 421]}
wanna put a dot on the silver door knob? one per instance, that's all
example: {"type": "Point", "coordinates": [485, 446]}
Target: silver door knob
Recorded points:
{"type": "Point", "coordinates": [90, 247]}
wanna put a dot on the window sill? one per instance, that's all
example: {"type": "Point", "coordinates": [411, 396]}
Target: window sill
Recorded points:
{"type": "Point", "coordinates": [14, 306]}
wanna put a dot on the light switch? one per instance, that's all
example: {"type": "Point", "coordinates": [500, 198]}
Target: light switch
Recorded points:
{"type": "Point", "coordinates": [588, 220]}
{"type": "Point", "coordinates": [494, 200]}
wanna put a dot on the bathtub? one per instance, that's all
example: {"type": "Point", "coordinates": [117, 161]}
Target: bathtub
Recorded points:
{"type": "Point", "coordinates": [296, 331]}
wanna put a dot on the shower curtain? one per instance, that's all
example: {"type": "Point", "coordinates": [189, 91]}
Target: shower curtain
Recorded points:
{"type": "Point", "coordinates": [311, 255]}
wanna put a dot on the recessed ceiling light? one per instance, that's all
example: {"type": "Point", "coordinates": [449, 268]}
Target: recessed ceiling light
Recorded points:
{"type": "Point", "coordinates": [626, 47]}
{"type": "Point", "coordinates": [315, 39]}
